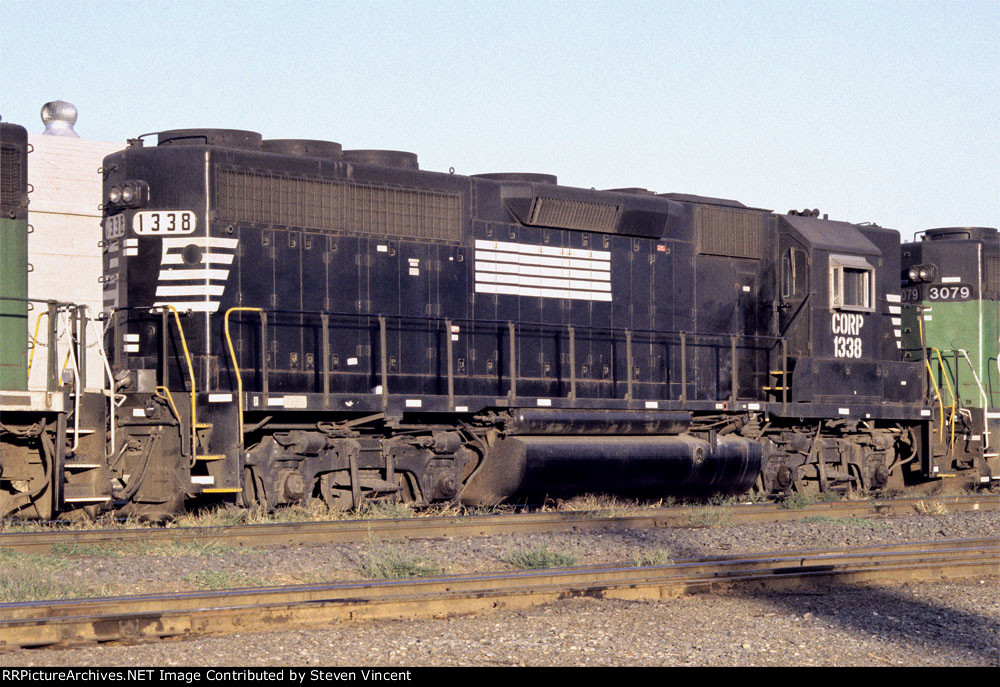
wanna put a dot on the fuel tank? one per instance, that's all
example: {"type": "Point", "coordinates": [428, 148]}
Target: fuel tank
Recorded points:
{"type": "Point", "coordinates": [533, 467]}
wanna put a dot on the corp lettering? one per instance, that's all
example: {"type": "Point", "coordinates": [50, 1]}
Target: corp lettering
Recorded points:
{"type": "Point", "coordinates": [848, 323]}
{"type": "Point", "coordinates": [846, 334]}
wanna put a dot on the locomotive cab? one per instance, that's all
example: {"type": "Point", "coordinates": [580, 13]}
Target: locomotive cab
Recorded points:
{"type": "Point", "coordinates": [840, 314]}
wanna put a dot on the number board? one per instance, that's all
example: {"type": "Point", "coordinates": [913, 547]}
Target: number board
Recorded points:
{"type": "Point", "coordinates": [159, 222]}
{"type": "Point", "coordinates": [114, 227]}
{"type": "Point", "coordinates": [937, 293]}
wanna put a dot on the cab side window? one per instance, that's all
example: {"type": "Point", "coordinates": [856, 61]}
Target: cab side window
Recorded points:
{"type": "Point", "coordinates": [852, 283]}
{"type": "Point", "coordinates": [793, 274]}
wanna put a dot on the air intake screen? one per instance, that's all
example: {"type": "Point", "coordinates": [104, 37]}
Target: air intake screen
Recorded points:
{"type": "Point", "coordinates": [732, 233]}
{"type": "Point", "coordinates": [10, 175]}
{"type": "Point", "coordinates": [337, 206]}
{"type": "Point", "coordinates": [573, 214]}
{"type": "Point", "coordinates": [993, 276]}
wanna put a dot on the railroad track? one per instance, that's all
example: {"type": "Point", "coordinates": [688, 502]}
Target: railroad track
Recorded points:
{"type": "Point", "coordinates": [192, 614]}
{"type": "Point", "coordinates": [346, 531]}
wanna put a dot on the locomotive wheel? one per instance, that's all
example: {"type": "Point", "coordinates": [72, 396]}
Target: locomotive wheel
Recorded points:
{"type": "Point", "coordinates": [255, 493]}
{"type": "Point", "coordinates": [334, 496]}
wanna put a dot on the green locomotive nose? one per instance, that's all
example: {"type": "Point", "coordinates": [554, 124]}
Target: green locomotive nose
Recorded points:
{"type": "Point", "coordinates": [13, 257]}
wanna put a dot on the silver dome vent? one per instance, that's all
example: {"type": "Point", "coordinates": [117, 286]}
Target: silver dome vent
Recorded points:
{"type": "Point", "coordinates": [59, 118]}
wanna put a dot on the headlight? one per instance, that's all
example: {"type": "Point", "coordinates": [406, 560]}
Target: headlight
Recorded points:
{"type": "Point", "coordinates": [919, 273]}
{"type": "Point", "coordinates": [133, 193]}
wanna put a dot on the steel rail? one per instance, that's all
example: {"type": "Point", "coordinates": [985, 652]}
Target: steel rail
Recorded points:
{"type": "Point", "coordinates": [152, 617]}
{"type": "Point", "coordinates": [347, 531]}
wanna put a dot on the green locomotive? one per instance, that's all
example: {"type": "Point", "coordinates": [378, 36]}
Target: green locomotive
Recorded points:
{"type": "Point", "coordinates": [951, 319]}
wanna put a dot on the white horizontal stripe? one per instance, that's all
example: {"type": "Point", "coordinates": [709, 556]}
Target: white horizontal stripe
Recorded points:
{"type": "Point", "coordinates": [177, 259]}
{"type": "Point", "coordinates": [532, 249]}
{"type": "Point", "coordinates": [897, 332]}
{"type": "Point", "coordinates": [514, 290]}
{"type": "Point", "coordinates": [894, 309]}
{"type": "Point", "coordinates": [202, 479]}
{"type": "Point", "coordinates": [195, 290]}
{"type": "Point", "coordinates": [193, 306]}
{"type": "Point", "coordinates": [893, 298]}
{"type": "Point", "coordinates": [950, 280]}
{"type": "Point", "coordinates": [517, 259]}
{"type": "Point", "coordinates": [543, 282]}
{"type": "Point", "coordinates": [203, 241]}
{"type": "Point", "coordinates": [195, 273]}
{"type": "Point", "coordinates": [896, 321]}
{"type": "Point", "coordinates": [568, 273]}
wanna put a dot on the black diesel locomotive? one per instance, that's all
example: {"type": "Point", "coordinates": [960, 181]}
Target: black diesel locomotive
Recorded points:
{"type": "Point", "coordinates": [286, 320]}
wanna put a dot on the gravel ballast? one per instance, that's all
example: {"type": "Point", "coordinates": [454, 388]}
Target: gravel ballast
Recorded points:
{"type": "Point", "coordinates": [954, 622]}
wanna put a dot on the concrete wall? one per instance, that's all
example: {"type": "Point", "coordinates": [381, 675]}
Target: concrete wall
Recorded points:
{"type": "Point", "coordinates": [63, 248]}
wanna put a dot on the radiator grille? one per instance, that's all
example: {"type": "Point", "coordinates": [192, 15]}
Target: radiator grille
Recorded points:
{"type": "Point", "coordinates": [337, 206]}
{"type": "Point", "coordinates": [993, 276]}
{"type": "Point", "coordinates": [573, 214]}
{"type": "Point", "coordinates": [732, 233]}
{"type": "Point", "coordinates": [10, 175]}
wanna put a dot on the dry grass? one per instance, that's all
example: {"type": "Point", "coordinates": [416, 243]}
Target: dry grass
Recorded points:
{"type": "Point", "coordinates": [652, 558]}
{"type": "Point", "coordinates": [930, 508]}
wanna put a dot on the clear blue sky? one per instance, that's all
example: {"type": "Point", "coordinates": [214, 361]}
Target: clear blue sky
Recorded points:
{"type": "Point", "coordinates": [883, 111]}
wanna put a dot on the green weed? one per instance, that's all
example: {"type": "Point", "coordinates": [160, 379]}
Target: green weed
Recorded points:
{"type": "Point", "coordinates": [224, 579]}
{"type": "Point", "coordinates": [33, 577]}
{"type": "Point", "coordinates": [386, 562]}
{"type": "Point", "coordinates": [538, 558]}
{"type": "Point", "coordinates": [652, 558]}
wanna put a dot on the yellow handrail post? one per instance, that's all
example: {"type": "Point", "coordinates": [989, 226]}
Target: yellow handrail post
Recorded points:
{"type": "Point", "coordinates": [187, 357]}
{"type": "Point", "coordinates": [236, 369]}
{"type": "Point", "coordinates": [34, 339]}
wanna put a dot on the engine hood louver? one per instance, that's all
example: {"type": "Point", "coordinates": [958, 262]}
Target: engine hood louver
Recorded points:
{"type": "Point", "coordinates": [541, 205]}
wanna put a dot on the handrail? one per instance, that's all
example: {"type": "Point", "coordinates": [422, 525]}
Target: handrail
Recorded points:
{"type": "Point", "coordinates": [986, 401]}
{"type": "Point", "coordinates": [521, 324]}
{"type": "Point", "coordinates": [937, 392]}
{"type": "Point", "coordinates": [34, 339]}
{"type": "Point", "coordinates": [187, 357]}
{"type": "Point", "coordinates": [236, 369]}
{"type": "Point", "coordinates": [954, 400]}
{"type": "Point", "coordinates": [685, 338]}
